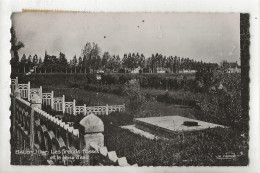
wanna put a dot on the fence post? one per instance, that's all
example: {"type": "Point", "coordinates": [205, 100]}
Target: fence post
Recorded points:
{"type": "Point", "coordinates": [106, 109]}
{"type": "Point", "coordinates": [29, 92]}
{"type": "Point", "coordinates": [74, 107]}
{"type": "Point", "coordinates": [85, 112]}
{"type": "Point", "coordinates": [32, 129]}
{"type": "Point", "coordinates": [123, 107]}
{"type": "Point", "coordinates": [16, 83]}
{"type": "Point", "coordinates": [91, 132]}
{"type": "Point", "coordinates": [16, 94]}
{"type": "Point", "coordinates": [63, 103]}
{"type": "Point", "coordinates": [52, 96]}
{"type": "Point", "coordinates": [41, 93]}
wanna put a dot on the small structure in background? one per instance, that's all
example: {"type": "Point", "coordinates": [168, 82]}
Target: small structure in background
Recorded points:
{"type": "Point", "coordinates": [231, 67]}
{"type": "Point", "coordinates": [187, 71]}
{"type": "Point", "coordinates": [161, 70]}
{"type": "Point", "coordinates": [136, 70]}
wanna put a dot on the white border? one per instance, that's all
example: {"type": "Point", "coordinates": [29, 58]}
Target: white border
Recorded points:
{"type": "Point", "coordinates": [244, 6]}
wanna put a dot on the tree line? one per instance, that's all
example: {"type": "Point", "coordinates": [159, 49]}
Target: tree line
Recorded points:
{"type": "Point", "coordinates": [91, 61]}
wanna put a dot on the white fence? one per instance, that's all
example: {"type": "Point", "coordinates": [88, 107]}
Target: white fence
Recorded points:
{"type": "Point", "coordinates": [59, 104]}
{"type": "Point", "coordinates": [14, 83]}
{"type": "Point", "coordinates": [69, 107]}
{"type": "Point", "coordinates": [24, 90]}
{"type": "Point", "coordinates": [47, 99]}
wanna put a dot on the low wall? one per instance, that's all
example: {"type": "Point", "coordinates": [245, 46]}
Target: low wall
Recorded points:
{"type": "Point", "coordinates": [38, 138]}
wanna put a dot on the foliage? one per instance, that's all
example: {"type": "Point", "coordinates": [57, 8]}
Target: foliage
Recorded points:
{"type": "Point", "coordinates": [223, 105]}
{"type": "Point", "coordinates": [15, 47]}
{"type": "Point", "coordinates": [193, 150]}
{"type": "Point", "coordinates": [91, 54]}
{"type": "Point", "coordinates": [136, 102]}
{"type": "Point", "coordinates": [92, 61]}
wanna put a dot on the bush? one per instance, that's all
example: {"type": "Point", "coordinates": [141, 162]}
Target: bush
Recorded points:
{"type": "Point", "coordinates": [117, 119]}
{"type": "Point", "coordinates": [193, 150]}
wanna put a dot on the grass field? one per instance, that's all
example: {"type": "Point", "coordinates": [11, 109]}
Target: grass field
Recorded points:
{"type": "Point", "coordinates": [91, 98]}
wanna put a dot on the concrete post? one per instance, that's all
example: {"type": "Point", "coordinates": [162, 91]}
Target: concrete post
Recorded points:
{"type": "Point", "coordinates": [16, 82]}
{"type": "Point", "coordinates": [67, 139]}
{"type": "Point", "coordinates": [85, 111]}
{"type": "Point", "coordinates": [36, 100]}
{"type": "Point", "coordinates": [52, 96]}
{"type": "Point", "coordinates": [16, 94]}
{"type": "Point", "coordinates": [63, 103]}
{"type": "Point", "coordinates": [74, 107]}
{"type": "Point", "coordinates": [41, 93]}
{"type": "Point", "coordinates": [92, 131]}
{"type": "Point", "coordinates": [29, 91]}
{"type": "Point", "coordinates": [32, 128]}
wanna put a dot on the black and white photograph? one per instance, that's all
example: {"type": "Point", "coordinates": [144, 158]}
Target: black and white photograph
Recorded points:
{"type": "Point", "coordinates": [129, 89]}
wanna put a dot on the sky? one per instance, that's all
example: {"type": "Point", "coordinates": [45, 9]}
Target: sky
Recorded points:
{"type": "Point", "coordinates": [210, 37]}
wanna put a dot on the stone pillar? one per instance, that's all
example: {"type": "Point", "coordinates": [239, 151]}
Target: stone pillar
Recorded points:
{"type": "Point", "coordinates": [16, 83]}
{"type": "Point", "coordinates": [63, 103]}
{"type": "Point", "coordinates": [74, 107]}
{"type": "Point", "coordinates": [29, 91]}
{"type": "Point", "coordinates": [41, 93]}
{"type": "Point", "coordinates": [16, 94]}
{"type": "Point", "coordinates": [92, 131]}
{"type": "Point", "coordinates": [36, 100]}
{"type": "Point", "coordinates": [52, 96]}
{"type": "Point", "coordinates": [32, 131]}
{"type": "Point", "coordinates": [85, 111]}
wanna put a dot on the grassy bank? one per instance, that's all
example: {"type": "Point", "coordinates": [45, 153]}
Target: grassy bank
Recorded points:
{"type": "Point", "coordinates": [193, 150]}
{"type": "Point", "coordinates": [91, 98]}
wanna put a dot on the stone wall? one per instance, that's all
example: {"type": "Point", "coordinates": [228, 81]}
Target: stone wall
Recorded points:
{"type": "Point", "coordinates": [38, 138]}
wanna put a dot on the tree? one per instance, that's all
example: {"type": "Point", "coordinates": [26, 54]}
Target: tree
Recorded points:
{"type": "Point", "coordinates": [84, 64]}
{"type": "Point", "coordinates": [80, 63]}
{"type": "Point", "coordinates": [133, 96]}
{"type": "Point", "coordinates": [136, 102]}
{"type": "Point", "coordinates": [40, 64]}
{"type": "Point", "coordinates": [50, 62]}
{"type": "Point", "coordinates": [95, 60]}
{"type": "Point", "coordinates": [62, 62]}
{"type": "Point", "coordinates": [125, 62]}
{"type": "Point", "coordinates": [223, 105]}
{"type": "Point", "coordinates": [35, 60]}
{"type": "Point", "coordinates": [24, 62]}
{"type": "Point", "coordinates": [117, 63]}
{"type": "Point", "coordinates": [29, 62]}
{"type": "Point", "coordinates": [141, 62]}
{"type": "Point", "coordinates": [105, 59]}
{"type": "Point", "coordinates": [15, 47]}
{"type": "Point", "coordinates": [86, 53]}
{"type": "Point", "coordinates": [74, 62]}
{"type": "Point", "coordinates": [130, 61]}
{"type": "Point", "coordinates": [113, 63]}
{"type": "Point", "coordinates": [91, 56]}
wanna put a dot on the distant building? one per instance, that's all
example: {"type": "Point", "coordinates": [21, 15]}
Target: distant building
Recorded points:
{"type": "Point", "coordinates": [136, 70]}
{"type": "Point", "coordinates": [231, 67]}
{"type": "Point", "coordinates": [161, 70]}
{"type": "Point", "coordinates": [187, 71]}
{"type": "Point", "coordinates": [100, 71]}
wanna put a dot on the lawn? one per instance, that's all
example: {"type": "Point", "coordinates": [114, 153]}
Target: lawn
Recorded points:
{"type": "Point", "coordinates": [91, 98]}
